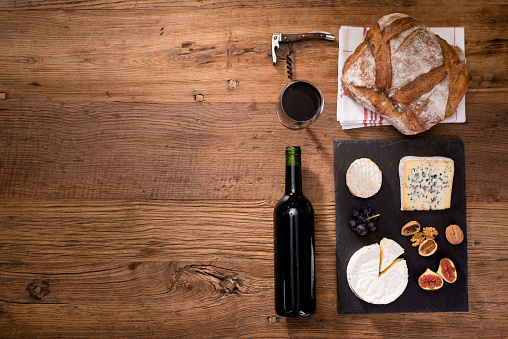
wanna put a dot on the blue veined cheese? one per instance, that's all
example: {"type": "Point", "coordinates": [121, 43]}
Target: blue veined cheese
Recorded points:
{"type": "Point", "coordinates": [425, 183]}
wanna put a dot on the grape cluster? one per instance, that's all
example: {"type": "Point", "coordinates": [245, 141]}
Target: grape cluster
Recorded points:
{"type": "Point", "coordinates": [363, 220]}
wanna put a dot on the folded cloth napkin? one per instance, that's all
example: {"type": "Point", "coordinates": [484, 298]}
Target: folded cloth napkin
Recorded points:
{"type": "Point", "coordinates": [353, 115]}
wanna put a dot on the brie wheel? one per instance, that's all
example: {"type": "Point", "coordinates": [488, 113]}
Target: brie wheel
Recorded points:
{"type": "Point", "coordinates": [369, 283]}
{"type": "Point", "coordinates": [363, 178]}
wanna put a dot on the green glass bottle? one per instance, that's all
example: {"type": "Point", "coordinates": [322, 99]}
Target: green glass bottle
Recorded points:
{"type": "Point", "coordinates": [293, 217]}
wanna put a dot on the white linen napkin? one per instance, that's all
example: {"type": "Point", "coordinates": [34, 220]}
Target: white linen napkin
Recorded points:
{"type": "Point", "coordinates": [353, 115]}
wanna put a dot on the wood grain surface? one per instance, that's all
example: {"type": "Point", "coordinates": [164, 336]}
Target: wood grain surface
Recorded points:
{"type": "Point", "coordinates": [141, 159]}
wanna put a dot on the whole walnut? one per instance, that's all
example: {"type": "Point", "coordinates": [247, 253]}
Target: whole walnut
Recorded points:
{"type": "Point", "coordinates": [454, 234]}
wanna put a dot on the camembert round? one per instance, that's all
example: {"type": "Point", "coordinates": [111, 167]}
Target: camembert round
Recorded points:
{"type": "Point", "coordinates": [366, 279]}
{"type": "Point", "coordinates": [363, 178]}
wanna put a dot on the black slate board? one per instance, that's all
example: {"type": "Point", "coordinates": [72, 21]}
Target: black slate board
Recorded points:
{"type": "Point", "coordinates": [387, 154]}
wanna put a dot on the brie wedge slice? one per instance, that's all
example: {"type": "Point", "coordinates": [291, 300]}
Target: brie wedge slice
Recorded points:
{"type": "Point", "coordinates": [369, 283]}
{"type": "Point", "coordinates": [390, 250]}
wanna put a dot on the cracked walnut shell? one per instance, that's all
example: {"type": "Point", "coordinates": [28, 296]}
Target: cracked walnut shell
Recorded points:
{"type": "Point", "coordinates": [427, 247]}
{"type": "Point", "coordinates": [410, 228]}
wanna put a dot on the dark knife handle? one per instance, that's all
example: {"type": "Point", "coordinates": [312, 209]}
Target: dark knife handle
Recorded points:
{"type": "Point", "coordinates": [298, 37]}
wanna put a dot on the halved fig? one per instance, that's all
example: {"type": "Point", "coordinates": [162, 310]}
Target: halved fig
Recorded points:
{"type": "Point", "coordinates": [430, 281]}
{"type": "Point", "coordinates": [447, 270]}
{"type": "Point", "coordinates": [410, 228]}
{"type": "Point", "coordinates": [427, 248]}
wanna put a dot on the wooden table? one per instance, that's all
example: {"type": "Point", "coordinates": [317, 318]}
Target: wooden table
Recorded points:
{"type": "Point", "coordinates": [141, 159]}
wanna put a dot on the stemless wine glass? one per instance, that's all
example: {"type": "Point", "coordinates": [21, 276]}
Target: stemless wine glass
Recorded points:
{"type": "Point", "coordinates": [299, 104]}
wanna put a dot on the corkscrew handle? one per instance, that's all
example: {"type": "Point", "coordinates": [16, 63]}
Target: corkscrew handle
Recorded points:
{"type": "Point", "coordinates": [278, 37]}
{"type": "Point", "coordinates": [311, 35]}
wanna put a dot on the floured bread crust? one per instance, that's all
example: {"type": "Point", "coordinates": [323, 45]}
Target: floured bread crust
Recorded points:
{"type": "Point", "coordinates": [407, 74]}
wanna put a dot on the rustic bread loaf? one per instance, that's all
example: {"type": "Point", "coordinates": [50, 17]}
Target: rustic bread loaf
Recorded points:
{"type": "Point", "coordinates": [407, 74]}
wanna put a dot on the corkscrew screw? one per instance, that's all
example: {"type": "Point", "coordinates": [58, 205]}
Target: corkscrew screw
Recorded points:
{"type": "Point", "coordinates": [289, 62]}
{"type": "Point", "coordinates": [290, 38]}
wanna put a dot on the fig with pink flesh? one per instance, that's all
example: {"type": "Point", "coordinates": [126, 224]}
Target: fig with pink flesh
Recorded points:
{"type": "Point", "coordinates": [430, 280]}
{"type": "Point", "coordinates": [447, 270]}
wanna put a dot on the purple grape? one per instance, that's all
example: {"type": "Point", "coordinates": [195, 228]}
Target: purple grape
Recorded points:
{"type": "Point", "coordinates": [352, 225]}
{"type": "Point", "coordinates": [361, 229]}
{"type": "Point", "coordinates": [363, 220]}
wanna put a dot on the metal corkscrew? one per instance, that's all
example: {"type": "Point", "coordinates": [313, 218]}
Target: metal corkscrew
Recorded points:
{"type": "Point", "coordinates": [289, 64]}
{"type": "Point", "coordinates": [290, 38]}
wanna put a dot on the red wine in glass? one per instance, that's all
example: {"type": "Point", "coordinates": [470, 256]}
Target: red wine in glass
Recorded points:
{"type": "Point", "coordinates": [300, 103]}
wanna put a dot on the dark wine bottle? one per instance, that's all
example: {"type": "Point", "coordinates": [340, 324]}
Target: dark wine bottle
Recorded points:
{"type": "Point", "coordinates": [293, 218]}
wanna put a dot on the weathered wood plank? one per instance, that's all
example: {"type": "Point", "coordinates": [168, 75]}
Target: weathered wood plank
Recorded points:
{"type": "Point", "coordinates": [168, 56]}
{"type": "Point", "coordinates": [155, 297]}
{"type": "Point", "coordinates": [199, 272]}
{"type": "Point", "coordinates": [134, 56]}
{"type": "Point", "coordinates": [149, 213]}
{"type": "Point", "coordinates": [165, 230]}
{"type": "Point", "coordinates": [69, 230]}
{"type": "Point", "coordinates": [227, 151]}
{"type": "Point", "coordinates": [212, 4]}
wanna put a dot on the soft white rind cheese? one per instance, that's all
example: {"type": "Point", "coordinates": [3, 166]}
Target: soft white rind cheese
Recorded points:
{"type": "Point", "coordinates": [363, 178]}
{"type": "Point", "coordinates": [366, 281]}
{"type": "Point", "coordinates": [425, 183]}
{"type": "Point", "coordinates": [362, 269]}
{"type": "Point", "coordinates": [390, 250]}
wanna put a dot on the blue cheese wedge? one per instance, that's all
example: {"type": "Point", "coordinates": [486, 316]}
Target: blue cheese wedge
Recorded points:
{"type": "Point", "coordinates": [363, 178]}
{"type": "Point", "coordinates": [425, 183]}
{"type": "Point", "coordinates": [369, 283]}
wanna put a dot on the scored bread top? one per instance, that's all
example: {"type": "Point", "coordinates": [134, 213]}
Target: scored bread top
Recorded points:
{"type": "Point", "coordinates": [406, 73]}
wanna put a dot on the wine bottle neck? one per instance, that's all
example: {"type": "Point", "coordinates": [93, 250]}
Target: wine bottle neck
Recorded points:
{"type": "Point", "coordinates": [293, 173]}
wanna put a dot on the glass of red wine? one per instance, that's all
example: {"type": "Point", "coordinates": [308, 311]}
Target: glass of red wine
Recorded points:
{"type": "Point", "coordinates": [300, 103]}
